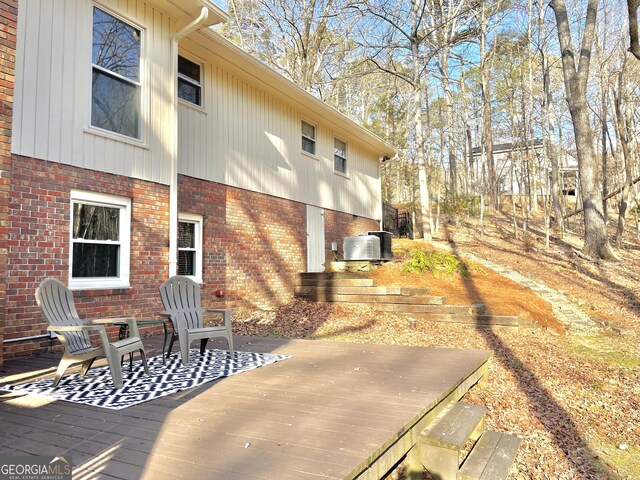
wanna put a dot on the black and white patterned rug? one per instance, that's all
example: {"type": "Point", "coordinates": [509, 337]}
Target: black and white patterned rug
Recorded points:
{"type": "Point", "coordinates": [97, 388]}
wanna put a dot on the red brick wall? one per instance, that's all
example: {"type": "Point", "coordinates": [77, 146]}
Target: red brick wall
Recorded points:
{"type": "Point", "coordinates": [338, 225]}
{"type": "Point", "coordinates": [8, 19]}
{"type": "Point", "coordinates": [254, 244]}
{"type": "Point", "coordinates": [38, 241]}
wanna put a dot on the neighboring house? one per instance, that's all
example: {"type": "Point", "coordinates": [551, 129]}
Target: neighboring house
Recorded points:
{"type": "Point", "coordinates": [112, 182]}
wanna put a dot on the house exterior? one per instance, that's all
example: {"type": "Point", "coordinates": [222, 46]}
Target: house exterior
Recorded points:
{"type": "Point", "coordinates": [112, 182]}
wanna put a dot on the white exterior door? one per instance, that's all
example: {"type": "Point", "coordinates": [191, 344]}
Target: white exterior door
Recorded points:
{"type": "Point", "coordinates": [315, 239]}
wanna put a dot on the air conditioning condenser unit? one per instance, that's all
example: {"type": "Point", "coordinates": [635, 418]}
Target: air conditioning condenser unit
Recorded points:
{"type": "Point", "coordinates": [362, 247]}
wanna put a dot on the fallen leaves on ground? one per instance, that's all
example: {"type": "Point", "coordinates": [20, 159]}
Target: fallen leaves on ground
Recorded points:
{"type": "Point", "coordinates": [575, 401]}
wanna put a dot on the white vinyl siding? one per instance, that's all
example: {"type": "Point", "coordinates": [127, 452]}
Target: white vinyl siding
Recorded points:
{"type": "Point", "coordinates": [247, 133]}
{"type": "Point", "coordinates": [52, 103]}
{"type": "Point", "coordinates": [249, 138]}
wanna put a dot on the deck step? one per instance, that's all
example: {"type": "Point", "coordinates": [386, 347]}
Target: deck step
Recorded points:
{"type": "Point", "coordinates": [491, 458]}
{"type": "Point", "coordinates": [455, 427]}
{"type": "Point", "coordinates": [442, 441]}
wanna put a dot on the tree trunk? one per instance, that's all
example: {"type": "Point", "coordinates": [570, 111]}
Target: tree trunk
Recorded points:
{"type": "Point", "coordinates": [423, 183]}
{"type": "Point", "coordinates": [596, 243]}
{"type": "Point", "coordinates": [623, 127]}
{"type": "Point", "coordinates": [487, 128]}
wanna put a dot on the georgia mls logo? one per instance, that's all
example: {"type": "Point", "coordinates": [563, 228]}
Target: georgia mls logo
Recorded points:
{"type": "Point", "coordinates": [59, 466]}
{"type": "Point", "coordinates": [35, 468]}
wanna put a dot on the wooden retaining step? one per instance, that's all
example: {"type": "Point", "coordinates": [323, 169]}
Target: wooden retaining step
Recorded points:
{"type": "Point", "coordinates": [360, 290]}
{"type": "Point", "coordinates": [480, 320]}
{"type": "Point", "coordinates": [342, 290]}
{"type": "Point", "coordinates": [336, 282]}
{"type": "Point", "coordinates": [491, 458]}
{"type": "Point", "coordinates": [444, 438]}
{"type": "Point", "coordinates": [330, 275]}
{"type": "Point", "coordinates": [374, 299]}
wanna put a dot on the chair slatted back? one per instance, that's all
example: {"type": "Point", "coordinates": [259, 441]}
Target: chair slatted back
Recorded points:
{"type": "Point", "coordinates": [56, 302]}
{"type": "Point", "coordinates": [181, 296]}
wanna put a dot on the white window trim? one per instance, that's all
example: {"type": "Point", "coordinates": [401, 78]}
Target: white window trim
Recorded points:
{"type": "Point", "coordinates": [193, 82]}
{"type": "Point", "coordinates": [142, 83]}
{"type": "Point", "coordinates": [104, 200]}
{"type": "Point", "coordinates": [314, 140]}
{"type": "Point", "coordinates": [198, 220]}
{"type": "Point", "coordinates": [346, 157]}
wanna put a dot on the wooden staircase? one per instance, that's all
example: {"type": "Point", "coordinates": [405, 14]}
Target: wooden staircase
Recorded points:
{"type": "Point", "coordinates": [440, 447]}
{"type": "Point", "coordinates": [415, 303]}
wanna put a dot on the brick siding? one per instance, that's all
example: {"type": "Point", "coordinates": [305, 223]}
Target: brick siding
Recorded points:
{"type": "Point", "coordinates": [38, 241]}
{"type": "Point", "coordinates": [8, 25]}
{"type": "Point", "coordinates": [253, 244]}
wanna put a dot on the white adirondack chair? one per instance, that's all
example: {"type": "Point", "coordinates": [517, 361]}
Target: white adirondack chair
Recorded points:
{"type": "Point", "coordinates": [56, 302]}
{"type": "Point", "coordinates": [181, 301]}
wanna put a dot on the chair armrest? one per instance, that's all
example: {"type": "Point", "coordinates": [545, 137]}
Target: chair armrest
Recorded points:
{"type": "Point", "coordinates": [73, 328]}
{"type": "Point", "coordinates": [165, 314]}
{"type": "Point", "coordinates": [226, 315]}
{"type": "Point", "coordinates": [100, 321]}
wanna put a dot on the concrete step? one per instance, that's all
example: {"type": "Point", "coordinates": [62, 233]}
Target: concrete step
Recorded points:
{"type": "Point", "coordinates": [480, 320]}
{"type": "Point", "coordinates": [491, 458]}
{"type": "Point", "coordinates": [374, 299]}
{"type": "Point", "coordinates": [444, 438]}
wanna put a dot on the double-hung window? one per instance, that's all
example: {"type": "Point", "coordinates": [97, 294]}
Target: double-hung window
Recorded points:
{"type": "Point", "coordinates": [189, 86]}
{"type": "Point", "coordinates": [115, 82]}
{"type": "Point", "coordinates": [190, 246]}
{"type": "Point", "coordinates": [100, 233]}
{"type": "Point", "coordinates": [339, 156]}
{"type": "Point", "coordinates": [308, 138]}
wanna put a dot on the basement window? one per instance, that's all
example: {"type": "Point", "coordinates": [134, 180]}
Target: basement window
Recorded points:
{"type": "Point", "coordinates": [100, 234]}
{"type": "Point", "coordinates": [190, 246]}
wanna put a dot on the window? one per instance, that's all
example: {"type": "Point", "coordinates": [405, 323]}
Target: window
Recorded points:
{"type": "Point", "coordinates": [339, 156]}
{"type": "Point", "coordinates": [308, 138]}
{"type": "Point", "coordinates": [115, 82]}
{"type": "Point", "coordinates": [189, 87]}
{"type": "Point", "coordinates": [99, 250]}
{"type": "Point", "coordinates": [190, 245]}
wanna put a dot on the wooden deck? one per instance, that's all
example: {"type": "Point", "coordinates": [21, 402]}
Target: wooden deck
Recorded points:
{"type": "Point", "coordinates": [334, 410]}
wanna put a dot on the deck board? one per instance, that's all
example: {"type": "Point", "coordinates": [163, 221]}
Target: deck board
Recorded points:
{"type": "Point", "coordinates": [334, 410]}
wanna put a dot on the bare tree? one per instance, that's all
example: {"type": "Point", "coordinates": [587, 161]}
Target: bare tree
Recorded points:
{"type": "Point", "coordinates": [634, 41]}
{"type": "Point", "coordinates": [575, 67]}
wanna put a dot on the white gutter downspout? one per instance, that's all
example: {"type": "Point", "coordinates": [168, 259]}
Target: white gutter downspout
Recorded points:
{"type": "Point", "coordinates": [173, 170]}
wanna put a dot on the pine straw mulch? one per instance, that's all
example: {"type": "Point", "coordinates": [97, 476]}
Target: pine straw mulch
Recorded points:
{"type": "Point", "coordinates": [575, 401]}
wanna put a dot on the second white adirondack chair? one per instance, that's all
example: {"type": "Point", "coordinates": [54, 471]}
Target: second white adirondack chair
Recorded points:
{"type": "Point", "coordinates": [181, 301]}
